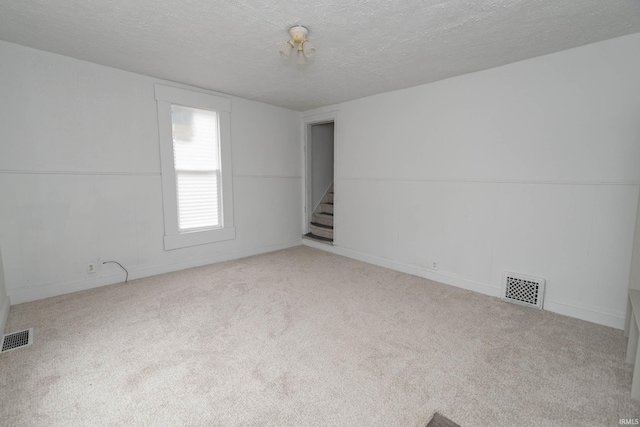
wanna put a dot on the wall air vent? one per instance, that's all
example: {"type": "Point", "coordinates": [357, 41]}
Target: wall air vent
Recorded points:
{"type": "Point", "coordinates": [521, 289]}
{"type": "Point", "coordinates": [17, 340]}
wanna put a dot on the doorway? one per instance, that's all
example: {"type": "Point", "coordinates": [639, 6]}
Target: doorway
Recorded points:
{"type": "Point", "coordinates": [320, 161]}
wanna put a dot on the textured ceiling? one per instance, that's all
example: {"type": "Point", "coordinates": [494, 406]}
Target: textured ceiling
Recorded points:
{"type": "Point", "coordinates": [364, 47]}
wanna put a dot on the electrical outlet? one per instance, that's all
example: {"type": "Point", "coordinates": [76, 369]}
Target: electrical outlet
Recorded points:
{"type": "Point", "coordinates": [91, 267]}
{"type": "Point", "coordinates": [434, 265]}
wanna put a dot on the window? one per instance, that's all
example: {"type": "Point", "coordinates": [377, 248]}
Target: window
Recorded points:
{"type": "Point", "coordinates": [195, 154]}
{"type": "Point", "coordinates": [196, 158]}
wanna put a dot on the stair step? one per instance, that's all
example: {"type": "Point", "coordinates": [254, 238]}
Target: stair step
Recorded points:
{"type": "Point", "coordinates": [329, 197]}
{"type": "Point", "coordinates": [323, 218]}
{"type": "Point", "coordinates": [326, 208]}
{"type": "Point", "coordinates": [326, 227]}
{"type": "Point", "coordinates": [321, 230]}
{"type": "Point", "coordinates": [320, 239]}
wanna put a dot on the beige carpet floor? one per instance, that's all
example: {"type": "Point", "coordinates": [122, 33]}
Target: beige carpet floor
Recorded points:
{"type": "Point", "coordinates": [302, 337]}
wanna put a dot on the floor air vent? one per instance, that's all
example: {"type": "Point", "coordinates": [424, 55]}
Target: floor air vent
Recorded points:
{"type": "Point", "coordinates": [524, 290]}
{"type": "Point", "coordinates": [17, 340]}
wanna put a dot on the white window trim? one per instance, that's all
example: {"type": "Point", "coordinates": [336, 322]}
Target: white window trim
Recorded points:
{"type": "Point", "coordinates": [173, 238]}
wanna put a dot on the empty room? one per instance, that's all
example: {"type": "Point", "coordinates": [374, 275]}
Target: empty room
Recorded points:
{"type": "Point", "coordinates": [255, 213]}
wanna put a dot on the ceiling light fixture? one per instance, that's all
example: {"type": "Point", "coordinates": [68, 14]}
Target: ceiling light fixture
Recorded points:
{"type": "Point", "coordinates": [299, 42]}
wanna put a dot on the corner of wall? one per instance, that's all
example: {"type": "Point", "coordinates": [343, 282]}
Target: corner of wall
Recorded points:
{"type": "Point", "coordinates": [5, 303]}
{"type": "Point", "coordinates": [634, 278]}
{"type": "Point", "coordinates": [4, 314]}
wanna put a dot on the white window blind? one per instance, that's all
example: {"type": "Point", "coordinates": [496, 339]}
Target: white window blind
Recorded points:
{"type": "Point", "coordinates": [196, 153]}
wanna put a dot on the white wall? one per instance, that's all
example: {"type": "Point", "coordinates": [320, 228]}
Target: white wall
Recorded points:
{"type": "Point", "coordinates": [634, 279]}
{"type": "Point", "coordinates": [533, 167]}
{"type": "Point", "coordinates": [321, 161]}
{"type": "Point", "coordinates": [4, 299]}
{"type": "Point", "coordinates": [80, 176]}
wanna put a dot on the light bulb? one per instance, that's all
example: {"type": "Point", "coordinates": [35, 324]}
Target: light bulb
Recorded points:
{"type": "Point", "coordinates": [308, 49]}
{"type": "Point", "coordinates": [285, 52]}
{"type": "Point", "coordinates": [301, 58]}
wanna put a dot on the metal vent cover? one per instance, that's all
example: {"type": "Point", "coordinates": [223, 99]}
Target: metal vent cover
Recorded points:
{"type": "Point", "coordinates": [17, 340]}
{"type": "Point", "coordinates": [522, 289]}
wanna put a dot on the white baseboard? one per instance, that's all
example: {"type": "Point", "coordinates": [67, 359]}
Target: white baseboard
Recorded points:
{"type": "Point", "coordinates": [4, 314]}
{"type": "Point", "coordinates": [102, 280]}
{"type": "Point", "coordinates": [227, 256]}
{"type": "Point", "coordinates": [590, 314]}
{"type": "Point", "coordinates": [436, 276]}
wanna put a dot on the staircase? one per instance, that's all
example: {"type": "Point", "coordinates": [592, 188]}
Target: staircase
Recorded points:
{"type": "Point", "coordinates": [321, 227]}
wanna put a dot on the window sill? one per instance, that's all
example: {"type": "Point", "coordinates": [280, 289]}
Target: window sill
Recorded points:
{"type": "Point", "coordinates": [195, 238]}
